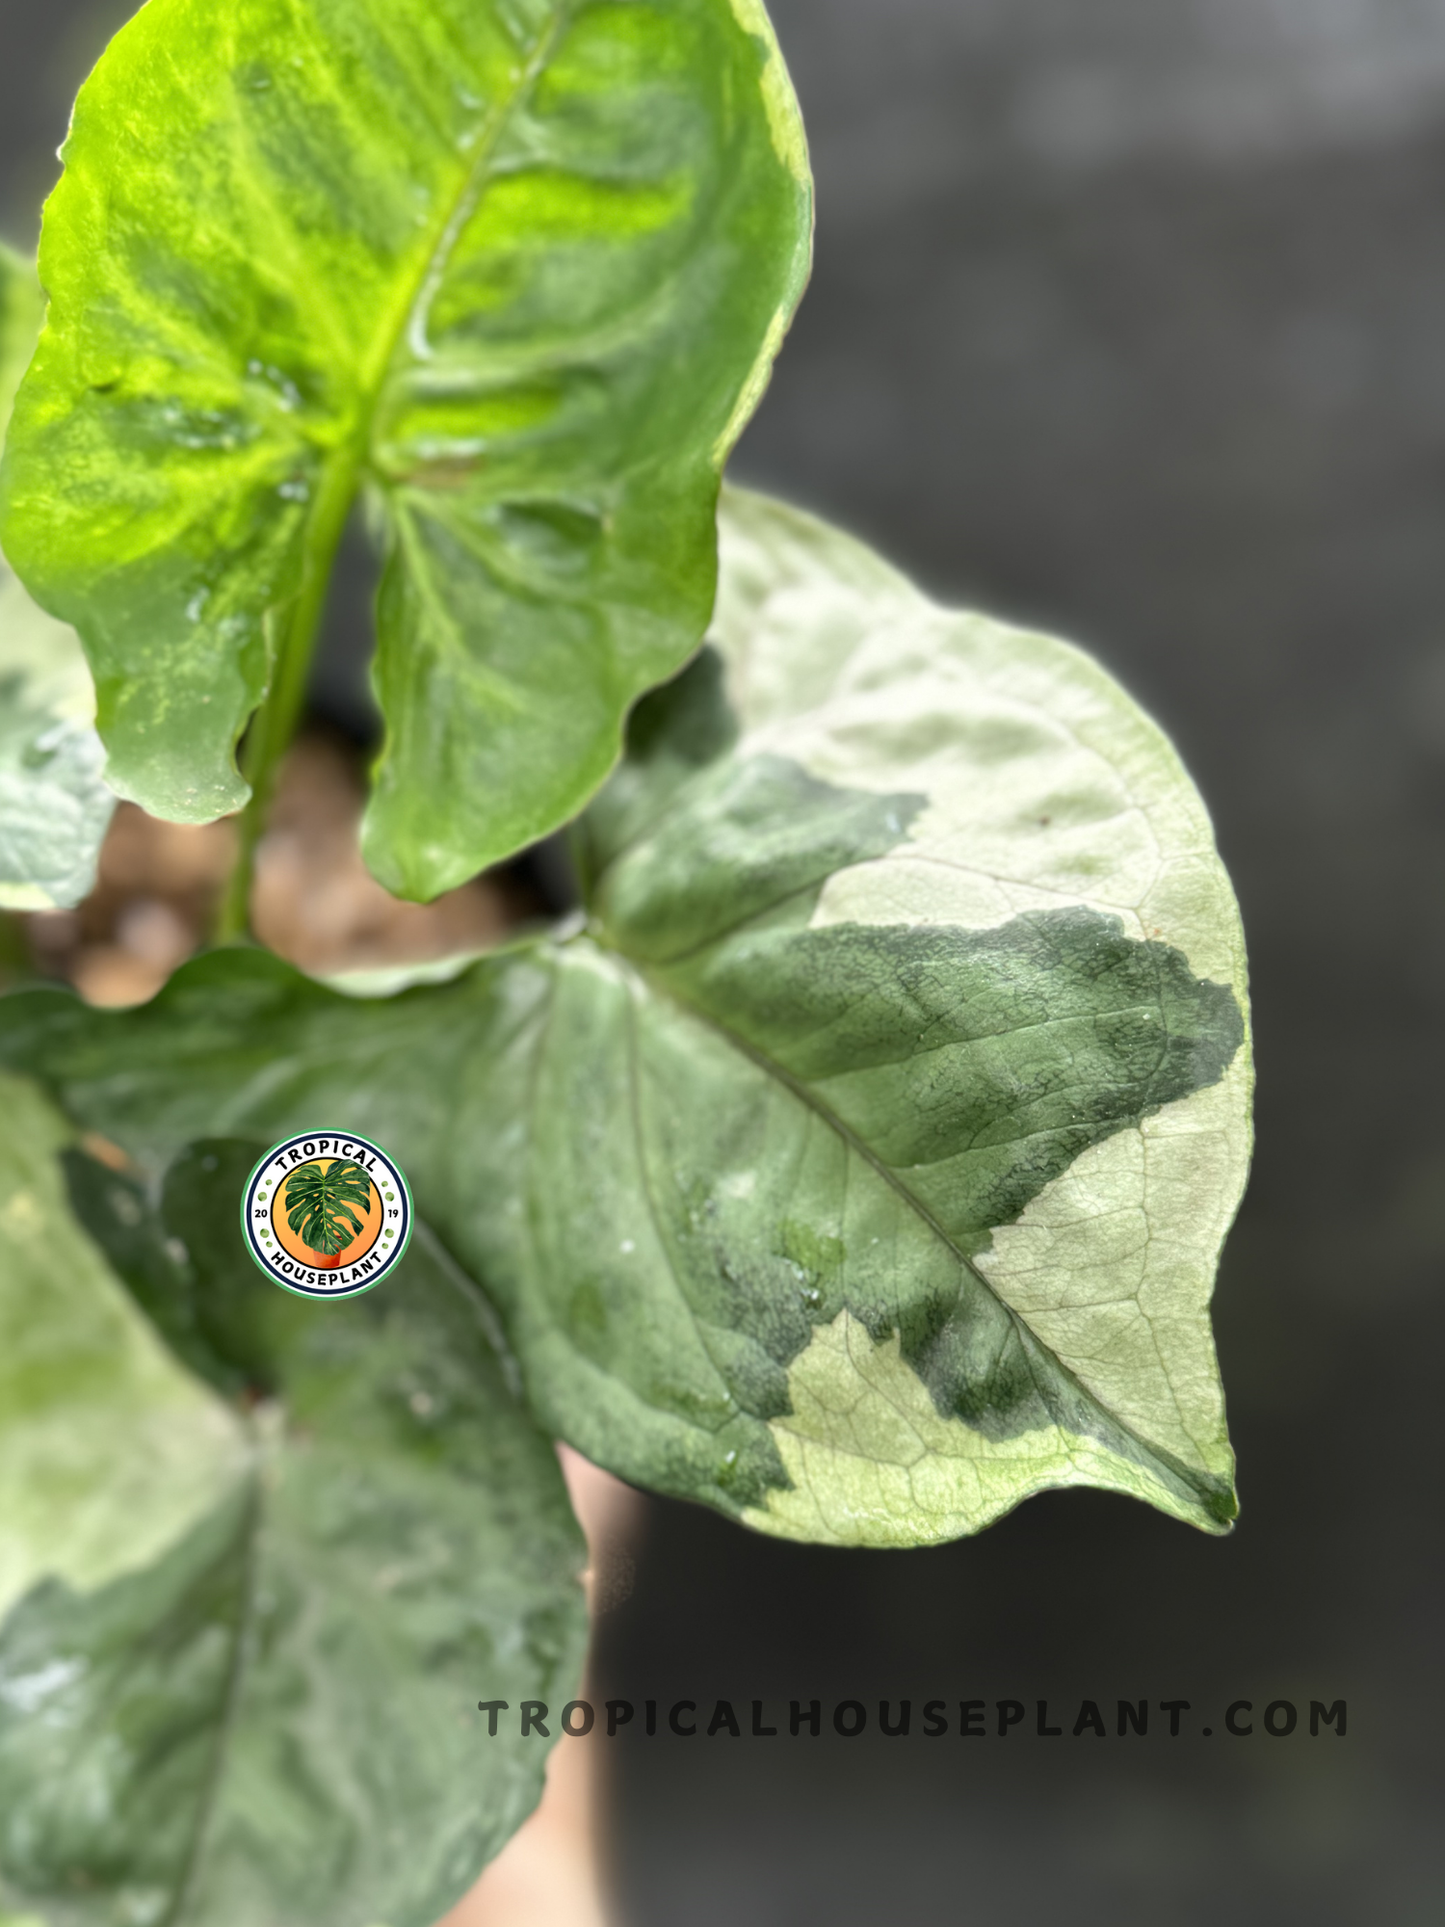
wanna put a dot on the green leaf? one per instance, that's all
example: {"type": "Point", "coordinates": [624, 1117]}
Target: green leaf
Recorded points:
{"type": "Point", "coordinates": [54, 805]}
{"type": "Point", "coordinates": [514, 269]}
{"type": "Point", "coordinates": [862, 1166]}
{"type": "Point", "coordinates": [275, 1716]}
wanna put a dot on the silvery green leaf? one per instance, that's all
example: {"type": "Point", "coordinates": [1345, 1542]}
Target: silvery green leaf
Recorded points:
{"type": "Point", "coordinates": [109, 1452]}
{"type": "Point", "coordinates": [861, 1166]}
{"type": "Point", "coordinates": [271, 1715]}
{"type": "Point", "coordinates": [55, 805]}
{"type": "Point", "coordinates": [512, 271]}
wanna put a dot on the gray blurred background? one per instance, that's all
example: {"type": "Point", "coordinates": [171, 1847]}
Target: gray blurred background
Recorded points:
{"type": "Point", "coordinates": [1128, 319]}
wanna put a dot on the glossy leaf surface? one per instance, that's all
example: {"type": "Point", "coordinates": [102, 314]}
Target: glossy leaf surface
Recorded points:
{"type": "Point", "coordinates": [54, 805]}
{"type": "Point", "coordinates": [273, 1717]}
{"type": "Point", "coordinates": [862, 1166]}
{"type": "Point", "coordinates": [516, 269]}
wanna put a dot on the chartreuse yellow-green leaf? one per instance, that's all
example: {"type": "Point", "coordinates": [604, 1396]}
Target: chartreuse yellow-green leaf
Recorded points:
{"type": "Point", "coordinates": [512, 270]}
{"type": "Point", "coordinates": [860, 1164]}
{"type": "Point", "coordinates": [54, 803]}
{"type": "Point", "coordinates": [251, 1606]}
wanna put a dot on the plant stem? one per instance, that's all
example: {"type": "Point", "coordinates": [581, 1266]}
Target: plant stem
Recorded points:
{"type": "Point", "coordinates": [274, 723]}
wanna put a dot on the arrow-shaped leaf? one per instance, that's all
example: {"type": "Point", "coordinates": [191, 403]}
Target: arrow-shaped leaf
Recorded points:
{"type": "Point", "coordinates": [862, 1166]}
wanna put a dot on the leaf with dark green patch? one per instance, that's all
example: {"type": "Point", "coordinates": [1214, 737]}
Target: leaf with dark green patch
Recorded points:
{"type": "Point", "coordinates": [514, 270]}
{"type": "Point", "coordinates": [267, 1709]}
{"type": "Point", "coordinates": [861, 1166]}
{"type": "Point", "coordinates": [54, 803]}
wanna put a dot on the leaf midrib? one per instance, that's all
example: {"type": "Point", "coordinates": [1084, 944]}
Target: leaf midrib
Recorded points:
{"type": "Point", "coordinates": [1173, 1471]}
{"type": "Point", "coordinates": [230, 1702]}
{"type": "Point", "coordinates": [237, 1665]}
{"type": "Point", "coordinates": [349, 463]}
{"type": "Point", "coordinates": [378, 371]}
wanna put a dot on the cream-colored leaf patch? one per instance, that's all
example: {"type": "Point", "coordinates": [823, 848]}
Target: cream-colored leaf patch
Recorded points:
{"type": "Point", "coordinates": [1111, 1268]}
{"type": "Point", "coordinates": [1046, 785]}
{"type": "Point", "coordinates": [873, 1463]}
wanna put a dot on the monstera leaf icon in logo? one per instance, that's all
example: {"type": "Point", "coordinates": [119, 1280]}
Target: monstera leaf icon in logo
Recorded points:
{"type": "Point", "coordinates": [327, 1214]}
{"type": "Point", "coordinates": [321, 1205]}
